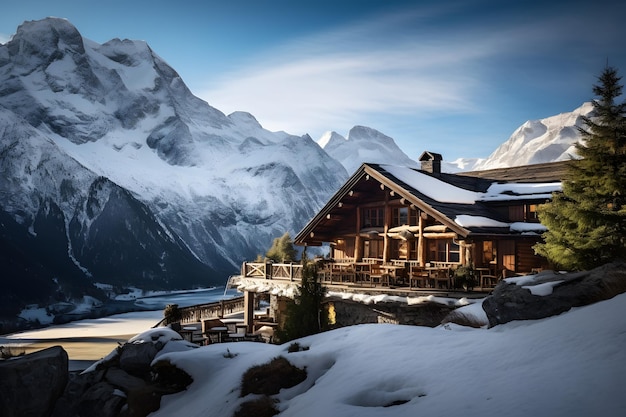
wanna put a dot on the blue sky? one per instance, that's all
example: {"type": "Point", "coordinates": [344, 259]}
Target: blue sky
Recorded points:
{"type": "Point", "coordinates": [454, 77]}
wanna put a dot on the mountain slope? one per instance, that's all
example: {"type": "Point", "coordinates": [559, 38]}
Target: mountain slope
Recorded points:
{"type": "Point", "coordinates": [76, 223]}
{"type": "Point", "coordinates": [148, 183]}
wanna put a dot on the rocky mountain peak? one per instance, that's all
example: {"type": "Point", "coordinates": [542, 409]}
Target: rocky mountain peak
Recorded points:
{"type": "Point", "coordinates": [47, 39]}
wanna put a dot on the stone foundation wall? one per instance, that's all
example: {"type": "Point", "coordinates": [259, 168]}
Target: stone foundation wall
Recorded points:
{"type": "Point", "coordinates": [348, 313]}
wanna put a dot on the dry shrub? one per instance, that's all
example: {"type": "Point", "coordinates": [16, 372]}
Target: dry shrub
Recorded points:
{"type": "Point", "coordinates": [261, 407]}
{"type": "Point", "coordinates": [270, 378]}
{"type": "Point", "coordinates": [463, 319]}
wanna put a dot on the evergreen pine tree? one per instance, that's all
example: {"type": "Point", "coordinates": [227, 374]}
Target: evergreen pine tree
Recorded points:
{"type": "Point", "coordinates": [304, 314]}
{"type": "Point", "coordinates": [587, 221]}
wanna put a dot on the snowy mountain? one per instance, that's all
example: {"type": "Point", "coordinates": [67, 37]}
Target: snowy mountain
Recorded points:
{"type": "Point", "coordinates": [363, 144]}
{"type": "Point", "coordinates": [113, 171]}
{"type": "Point", "coordinates": [146, 181]}
{"type": "Point", "coordinates": [538, 141]}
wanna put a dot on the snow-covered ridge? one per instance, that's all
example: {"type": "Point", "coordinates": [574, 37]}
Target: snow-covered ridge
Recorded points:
{"type": "Point", "coordinates": [363, 144]}
{"type": "Point", "coordinates": [538, 141]}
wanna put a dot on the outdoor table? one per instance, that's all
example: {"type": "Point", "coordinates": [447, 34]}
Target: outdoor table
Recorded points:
{"type": "Point", "coordinates": [392, 270]}
{"type": "Point", "coordinates": [242, 328]}
{"type": "Point", "coordinates": [236, 337]}
{"type": "Point", "coordinates": [187, 332]}
{"type": "Point", "coordinates": [218, 331]}
{"type": "Point", "coordinates": [435, 274]}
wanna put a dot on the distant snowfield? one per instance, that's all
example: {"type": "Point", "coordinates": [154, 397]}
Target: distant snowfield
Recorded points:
{"type": "Point", "coordinates": [119, 324]}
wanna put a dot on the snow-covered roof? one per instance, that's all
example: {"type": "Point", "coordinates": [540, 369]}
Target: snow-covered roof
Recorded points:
{"type": "Point", "coordinates": [465, 203]}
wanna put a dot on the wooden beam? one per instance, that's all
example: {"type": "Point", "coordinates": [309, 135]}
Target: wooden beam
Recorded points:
{"type": "Point", "coordinates": [446, 235]}
{"type": "Point", "coordinates": [420, 242]}
{"type": "Point", "coordinates": [387, 214]}
{"type": "Point", "coordinates": [248, 312]}
{"type": "Point", "coordinates": [357, 239]}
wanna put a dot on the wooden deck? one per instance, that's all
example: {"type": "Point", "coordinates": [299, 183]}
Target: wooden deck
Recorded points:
{"type": "Point", "coordinates": [217, 309]}
{"type": "Point", "coordinates": [367, 276]}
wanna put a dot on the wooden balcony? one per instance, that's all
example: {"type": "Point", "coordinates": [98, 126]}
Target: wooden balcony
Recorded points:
{"type": "Point", "coordinates": [269, 270]}
{"type": "Point", "coordinates": [368, 275]}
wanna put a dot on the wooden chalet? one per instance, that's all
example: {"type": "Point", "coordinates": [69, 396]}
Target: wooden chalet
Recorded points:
{"type": "Point", "coordinates": [401, 230]}
{"type": "Point", "coordinates": [427, 223]}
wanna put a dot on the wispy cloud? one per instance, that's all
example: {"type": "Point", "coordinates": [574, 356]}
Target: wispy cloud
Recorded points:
{"type": "Point", "coordinates": [419, 62]}
{"type": "Point", "coordinates": [335, 79]}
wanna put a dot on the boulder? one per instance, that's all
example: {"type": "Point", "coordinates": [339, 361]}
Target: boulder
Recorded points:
{"type": "Point", "coordinates": [135, 358]}
{"type": "Point", "coordinates": [101, 400]}
{"type": "Point", "coordinates": [31, 384]}
{"type": "Point", "coordinates": [126, 383]}
{"type": "Point", "coordinates": [76, 387]}
{"type": "Point", "coordinates": [550, 293]}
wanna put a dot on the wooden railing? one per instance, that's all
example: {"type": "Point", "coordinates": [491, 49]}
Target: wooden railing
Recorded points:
{"type": "Point", "coordinates": [270, 270]}
{"type": "Point", "coordinates": [217, 309]}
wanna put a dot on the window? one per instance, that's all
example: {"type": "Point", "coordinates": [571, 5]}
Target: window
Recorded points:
{"type": "Point", "coordinates": [373, 249]}
{"type": "Point", "coordinates": [404, 215]}
{"type": "Point", "coordinates": [531, 213]}
{"type": "Point", "coordinates": [373, 217]}
{"type": "Point", "coordinates": [443, 250]}
{"type": "Point", "coordinates": [400, 249]}
{"type": "Point", "coordinates": [489, 252]}
{"type": "Point", "coordinates": [525, 213]}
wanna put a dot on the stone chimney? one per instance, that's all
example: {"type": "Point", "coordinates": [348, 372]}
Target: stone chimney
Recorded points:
{"type": "Point", "coordinates": [431, 162]}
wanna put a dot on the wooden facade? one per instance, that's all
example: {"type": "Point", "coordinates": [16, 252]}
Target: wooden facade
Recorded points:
{"type": "Point", "coordinates": [486, 220]}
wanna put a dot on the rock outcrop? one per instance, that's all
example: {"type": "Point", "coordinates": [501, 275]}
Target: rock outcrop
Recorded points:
{"type": "Point", "coordinates": [550, 293]}
{"type": "Point", "coordinates": [31, 384]}
{"type": "Point", "coordinates": [129, 382]}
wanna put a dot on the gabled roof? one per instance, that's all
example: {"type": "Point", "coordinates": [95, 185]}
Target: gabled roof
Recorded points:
{"type": "Point", "coordinates": [464, 203]}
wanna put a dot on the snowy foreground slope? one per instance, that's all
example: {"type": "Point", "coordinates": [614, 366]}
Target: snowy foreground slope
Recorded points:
{"type": "Point", "coordinates": [569, 365]}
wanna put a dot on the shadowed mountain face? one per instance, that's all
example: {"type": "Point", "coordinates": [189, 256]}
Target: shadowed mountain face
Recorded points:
{"type": "Point", "coordinates": [114, 172]}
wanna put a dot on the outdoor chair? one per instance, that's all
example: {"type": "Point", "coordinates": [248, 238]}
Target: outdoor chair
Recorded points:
{"type": "Point", "coordinates": [418, 277]}
{"type": "Point", "coordinates": [377, 275]}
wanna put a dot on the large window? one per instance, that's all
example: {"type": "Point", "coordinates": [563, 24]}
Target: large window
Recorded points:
{"type": "Point", "coordinates": [373, 217]}
{"type": "Point", "coordinates": [443, 250]}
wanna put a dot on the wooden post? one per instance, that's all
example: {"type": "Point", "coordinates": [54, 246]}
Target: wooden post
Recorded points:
{"type": "Point", "coordinates": [420, 241]}
{"type": "Point", "coordinates": [357, 239]}
{"type": "Point", "coordinates": [387, 215]}
{"type": "Point", "coordinates": [248, 311]}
